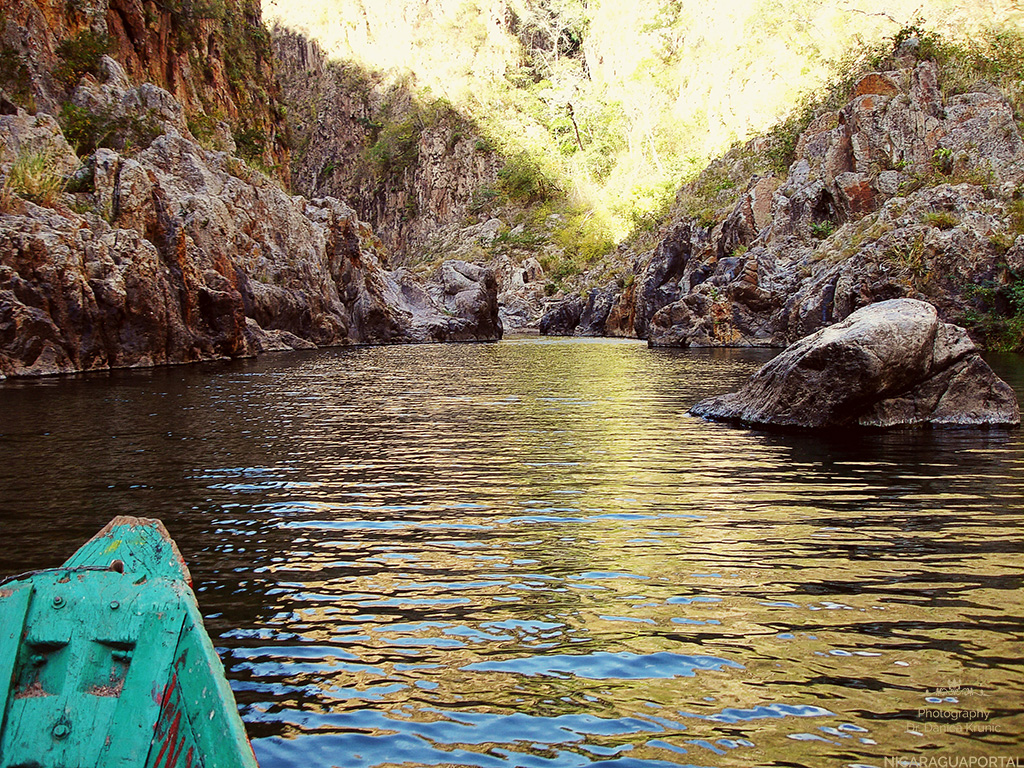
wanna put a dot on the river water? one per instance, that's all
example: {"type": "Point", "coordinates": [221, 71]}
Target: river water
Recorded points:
{"type": "Point", "coordinates": [527, 554]}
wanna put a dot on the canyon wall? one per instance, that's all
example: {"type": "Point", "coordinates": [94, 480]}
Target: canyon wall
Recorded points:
{"type": "Point", "coordinates": [136, 231]}
{"type": "Point", "coordinates": [902, 192]}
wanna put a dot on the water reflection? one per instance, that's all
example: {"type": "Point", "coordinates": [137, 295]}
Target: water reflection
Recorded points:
{"type": "Point", "coordinates": [527, 554]}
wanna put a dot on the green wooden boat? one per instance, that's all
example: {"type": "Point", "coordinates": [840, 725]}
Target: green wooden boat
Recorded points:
{"type": "Point", "coordinates": [105, 662]}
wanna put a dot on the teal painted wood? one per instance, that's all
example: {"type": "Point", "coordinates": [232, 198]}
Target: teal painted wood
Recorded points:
{"type": "Point", "coordinates": [14, 602]}
{"type": "Point", "coordinates": [142, 547]}
{"type": "Point", "coordinates": [104, 663]}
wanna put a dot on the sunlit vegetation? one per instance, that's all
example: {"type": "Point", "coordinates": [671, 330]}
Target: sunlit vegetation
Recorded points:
{"type": "Point", "coordinates": [619, 102]}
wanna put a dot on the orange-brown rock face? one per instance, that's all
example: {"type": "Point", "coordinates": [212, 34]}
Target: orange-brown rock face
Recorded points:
{"type": "Point", "coordinates": [213, 56]}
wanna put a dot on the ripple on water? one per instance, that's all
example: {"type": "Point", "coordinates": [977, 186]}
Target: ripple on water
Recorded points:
{"type": "Point", "coordinates": [527, 554]}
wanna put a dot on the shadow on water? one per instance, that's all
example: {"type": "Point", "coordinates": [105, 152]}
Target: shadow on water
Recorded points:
{"type": "Point", "coordinates": [528, 554]}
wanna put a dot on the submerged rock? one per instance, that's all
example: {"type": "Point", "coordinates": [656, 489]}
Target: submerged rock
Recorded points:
{"type": "Point", "coordinates": [890, 364]}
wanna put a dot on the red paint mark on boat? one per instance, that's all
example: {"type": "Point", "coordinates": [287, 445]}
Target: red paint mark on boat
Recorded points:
{"type": "Point", "coordinates": [162, 697]}
{"type": "Point", "coordinates": [171, 741]}
{"type": "Point", "coordinates": [172, 758]}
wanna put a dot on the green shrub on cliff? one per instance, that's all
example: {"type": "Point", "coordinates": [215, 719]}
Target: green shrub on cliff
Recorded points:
{"type": "Point", "coordinates": [1016, 213]}
{"type": "Point", "coordinates": [395, 127]}
{"type": "Point", "coordinates": [15, 77]}
{"type": "Point", "coordinates": [940, 219]}
{"type": "Point", "coordinates": [81, 54]}
{"type": "Point", "coordinates": [87, 131]}
{"type": "Point", "coordinates": [249, 142]}
{"type": "Point", "coordinates": [84, 130]}
{"type": "Point", "coordinates": [996, 314]}
{"type": "Point", "coordinates": [523, 180]}
{"type": "Point", "coordinates": [397, 145]}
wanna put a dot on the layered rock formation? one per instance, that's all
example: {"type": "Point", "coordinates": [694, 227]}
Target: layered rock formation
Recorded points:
{"type": "Point", "coordinates": [176, 253]}
{"type": "Point", "coordinates": [214, 58]}
{"type": "Point", "coordinates": [901, 193]}
{"type": "Point", "coordinates": [891, 364]}
{"type": "Point", "coordinates": [411, 168]}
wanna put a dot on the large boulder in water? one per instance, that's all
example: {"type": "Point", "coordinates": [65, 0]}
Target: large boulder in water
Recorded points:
{"type": "Point", "coordinates": [467, 294]}
{"type": "Point", "coordinates": [889, 364]}
{"type": "Point", "coordinates": [563, 318]}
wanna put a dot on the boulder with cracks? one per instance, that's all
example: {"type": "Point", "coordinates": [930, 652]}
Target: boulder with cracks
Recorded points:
{"type": "Point", "coordinates": [891, 364]}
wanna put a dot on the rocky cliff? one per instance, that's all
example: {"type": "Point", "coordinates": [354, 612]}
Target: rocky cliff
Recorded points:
{"type": "Point", "coordinates": [411, 165]}
{"type": "Point", "coordinates": [902, 192]}
{"type": "Point", "coordinates": [213, 56]}
{"type": "Point", "coordinates": [165, 251]}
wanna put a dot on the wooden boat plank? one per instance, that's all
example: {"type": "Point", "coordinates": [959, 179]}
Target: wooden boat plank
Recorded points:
{"type": "Point", "coordinates": [142, 544]}
{"type": "Point", "coordinates": [195, 727]}
{"type": "Point", "coordinates": [140, 704]}
{"type": "Point", "coordinates": [82, 629]}
{"type": "Point", "coordinates": [14, 602]}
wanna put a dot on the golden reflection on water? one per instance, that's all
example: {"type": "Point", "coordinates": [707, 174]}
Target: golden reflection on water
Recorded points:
{"type": "Point", "coordinates": [528, 554]}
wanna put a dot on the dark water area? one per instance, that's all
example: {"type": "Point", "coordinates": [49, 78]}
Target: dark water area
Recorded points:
{"type": "Point", "coordinates": [527, 554]}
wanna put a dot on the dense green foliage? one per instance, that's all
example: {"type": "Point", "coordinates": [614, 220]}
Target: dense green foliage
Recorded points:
{"type": "Point", "coordinates": [996, 310]}
{"type": "Point", "coordinates": [81, 54]}
{"type": "Point", "coordinates": [996, 314]}
{"type": "Point", "coordinates": [86, 130]}
{"type": "Point", "coordinates": [522, 180]}
{"type": "Point", "coordinates": [396, 145]}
